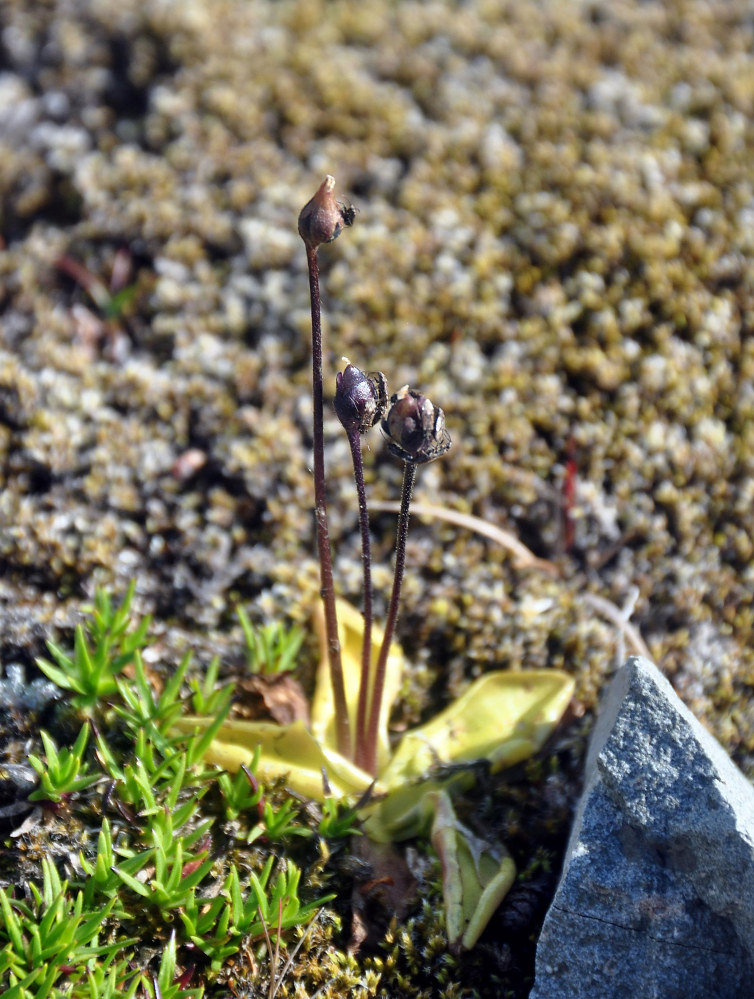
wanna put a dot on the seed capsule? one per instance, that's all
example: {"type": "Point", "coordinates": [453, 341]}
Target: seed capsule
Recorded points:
{"type": "Point", "coordinates": [415, 428]}
{"type": "Point", "coordinates": [360, 400]}
{"type": "Point", "coordinates": [322, 219]}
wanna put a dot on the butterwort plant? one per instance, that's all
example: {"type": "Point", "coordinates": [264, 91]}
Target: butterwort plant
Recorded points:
{"type": "Point", "coordinates": [415, 431]}
{"type": "Point", "coordinates": [345, 753]}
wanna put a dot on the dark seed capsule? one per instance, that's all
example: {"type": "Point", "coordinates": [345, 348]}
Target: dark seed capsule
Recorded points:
{"type": "Point", "coordinates": [360, 400]}
{"type": "Point", "coordinates": [415, 428]}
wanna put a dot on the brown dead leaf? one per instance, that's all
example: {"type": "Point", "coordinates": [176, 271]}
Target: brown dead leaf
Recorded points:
{"type": "Point", "coordinates": [280, 697]}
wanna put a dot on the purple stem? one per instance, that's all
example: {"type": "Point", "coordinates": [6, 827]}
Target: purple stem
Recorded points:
{"type": "Point", "coordinates": [370, 749]}
{"type": "Point", "coordinates": [327, 590]}
{"type": "Point", "coordinates": [354, 441]}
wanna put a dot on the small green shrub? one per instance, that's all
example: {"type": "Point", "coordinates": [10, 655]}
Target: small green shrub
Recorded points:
{"type": "Point", "coordinates": [72, 938]}
{"type": "Point", "coordinates": [270, 648]}
{"type": "Point", "coordinates": [65, 771]}
{"type": "Point", "coordinates": [50, 938]}
{"type": "Point", "coordinates": [100, 653]}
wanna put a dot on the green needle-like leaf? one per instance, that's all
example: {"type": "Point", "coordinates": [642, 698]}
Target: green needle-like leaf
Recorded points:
{"type": "Point", "coordinates": [132, 883]}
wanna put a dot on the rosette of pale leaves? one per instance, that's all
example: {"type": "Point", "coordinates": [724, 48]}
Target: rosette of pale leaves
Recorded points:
{"type": "Point", "coordinates": [502, 717]}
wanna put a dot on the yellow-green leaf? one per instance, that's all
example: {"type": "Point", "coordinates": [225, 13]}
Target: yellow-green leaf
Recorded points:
{"type": "Point", "coordinates": [476, 875]}
{"type": "Point", "coordinates": [288, 751]}
{"type": "Point", "coordinates": [502, 717]}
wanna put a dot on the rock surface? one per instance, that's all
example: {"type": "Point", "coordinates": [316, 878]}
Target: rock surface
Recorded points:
{"type": "Point", "coordinates": [657, 893]}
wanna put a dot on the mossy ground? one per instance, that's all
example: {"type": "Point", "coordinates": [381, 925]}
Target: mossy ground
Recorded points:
{"type": "Point", "coordinates": [554, 241]}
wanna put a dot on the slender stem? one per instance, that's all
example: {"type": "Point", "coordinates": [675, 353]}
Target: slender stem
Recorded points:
{"type": "Point", "coordinates": [354, 441]}
{"type": "Point", "coordinates": [370, 752]}
{"type": "Point", "coordinates": [327, 591]}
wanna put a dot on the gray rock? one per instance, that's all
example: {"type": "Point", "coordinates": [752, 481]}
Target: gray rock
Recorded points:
{"type": "Point", "coordinates": [656, 899]}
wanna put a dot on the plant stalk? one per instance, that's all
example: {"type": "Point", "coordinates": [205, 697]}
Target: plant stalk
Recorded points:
{"type": "Point", "coordinates": [370, 752]}
{"type": "Point", "coordinates": [327, 590]}
{"type": "Point", "coordinates": [354, 440]}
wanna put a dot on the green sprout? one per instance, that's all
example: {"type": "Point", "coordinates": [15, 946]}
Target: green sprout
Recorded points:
{"type": "Point", "coordinates": [339, 819]}
{"type": "Point", "coordinates": [112, 297]}
{"type": "Point", "coordinates": [159, 798]}
{"type": "Point", "coordinates": [216, 926]}
{"type": "Point", "coordinates": [280, 905]}
{"type": "Point", "coordinates": [241, 792]}
{"type": "Point", "coordinates": [49, 938]}
{"type": "Point", "coordinates": [65, 771]}
{"type": "Point", "coordinates": [270, 648]}
{"type": "Point", "coordinates": [109, 979]}
{"type": "Point", "coordinates": [101, 880]}
{"type": "Point", "coordinates": [164, 984]}
{"type": "Point", "coordinates": [90, 672]}
{"type": "Point", "coordinates": [207, 697]}
{"type": "Point", "coordinates": [278, 823]}
{"type": "Point", "coordinates": [141, 710]}
{"type": "Point", "coordinates": [171, 884]}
